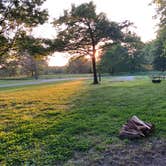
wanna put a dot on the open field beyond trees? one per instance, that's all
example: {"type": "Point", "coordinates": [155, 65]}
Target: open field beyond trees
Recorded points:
{"type": "Point", "coordinates": [76, 123]}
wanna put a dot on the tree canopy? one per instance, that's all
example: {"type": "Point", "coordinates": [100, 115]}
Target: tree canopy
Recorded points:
{"type": "Point", "coordinates": [82, 30]}
{"type": "Point", "coordinates": [161, 11]}
{"type": "Point", "coordinates": [125, 57]}
{"type": "Point", "coordinates": [160, 43]}
{"type": "Point", "coordinates": [17, 19]}
{"type": "Point", "coordinates": [17, 16]}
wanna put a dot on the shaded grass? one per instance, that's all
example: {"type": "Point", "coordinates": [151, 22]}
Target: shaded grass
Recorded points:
{"type": "Point", "coordinates": [113, 103]}
{"type": "Point", "coordinates": [46, 124]}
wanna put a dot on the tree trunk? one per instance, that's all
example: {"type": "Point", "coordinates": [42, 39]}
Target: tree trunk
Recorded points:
{"type": "Point", "coordinates": [36, 75]}
{"type": "Point", "coordinates": [95, 79]}
{"type": "Point", "coordinates": [99, 76]}
{"type": "Point", "coordinates": [32, 73]}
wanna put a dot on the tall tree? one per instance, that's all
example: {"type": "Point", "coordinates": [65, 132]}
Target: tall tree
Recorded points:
{"type": "Point", "coordinates": [30, 46]}
{"type": "Point", "coordinates": [160, 50]}
{"type": "Point", "coordinates": [134, 46]}
{"type": "Point", "coordinates": [148, 52]}
{"type": "Point", "coordinates": [160, 43]}
{"type": "Point", "coordinates": [81, 31]}
{"type": "Point", "coordinates": [16, 16]}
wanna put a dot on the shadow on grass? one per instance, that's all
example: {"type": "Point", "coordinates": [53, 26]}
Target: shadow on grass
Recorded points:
{"type": "Point", "coordinates": [92, 122]}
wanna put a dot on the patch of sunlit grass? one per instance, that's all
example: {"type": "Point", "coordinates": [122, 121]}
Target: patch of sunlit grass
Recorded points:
{"type": "Point", "coordinates": [27, 118]}
{"type": "Point", "coordinates": [47, 124]}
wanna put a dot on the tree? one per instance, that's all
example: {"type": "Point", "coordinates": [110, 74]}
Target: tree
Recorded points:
{"type": "Point", "coordinates": [27, 65]}
{"type": "Point", "coordinates": [160, 51]}
{"type": "Point", "coordinates": [81, 31]}
{"type": "Point", "coordinates": [134, 46]}
{"type": "Point", "coordinates": [17, 16]}
{"type": "Point", "coordinates": [78, 65]}
{"type": "Point", "coordinates": [9, 66]}
{"type": "Point", "coordinates": [123, 57]}
{"type": "Point", "coordinates": [17, 65]}
{"type": "Point", "coordinates": [161, 11]}
{"type": "Point", "coordinates": [36, 48]}
{"type": "Point", "coordinates": [115, 60]}
{"type": "Point", "coordinates": [148, 52]}
{"type": "Point", "coordinates": [160, 63]}
{"type": "Point", "coordinates": [160, 43]}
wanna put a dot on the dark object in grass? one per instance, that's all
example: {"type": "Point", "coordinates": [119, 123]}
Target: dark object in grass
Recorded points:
{"type": "Point", "coordinates": [156, 81]}
{"type": "Point", "coordinates": [136, 128]}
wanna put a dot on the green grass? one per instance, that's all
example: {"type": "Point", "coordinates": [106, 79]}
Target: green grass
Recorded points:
{"type": "Point", "coordinates": [65, 76]}
{"type": "Point", "coordinates": [4, 82]}
{"type": "Point", "coordinates": [47, 124]}
{"type": "Point", "coordinates": [48, 76]}
{"type": "Point", "coordinates": [15, 80]}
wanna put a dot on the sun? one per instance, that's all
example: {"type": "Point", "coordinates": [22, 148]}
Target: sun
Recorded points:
{"type": "Point", "coordinates": [58, 59]}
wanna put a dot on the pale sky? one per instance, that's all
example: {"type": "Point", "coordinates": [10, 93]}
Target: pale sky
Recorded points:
{"type": "Point", "coordinates": [137, 11]}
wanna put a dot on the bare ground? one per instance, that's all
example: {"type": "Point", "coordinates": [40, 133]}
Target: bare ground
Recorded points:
{"type": "Point", "coordinates": [133, 153]}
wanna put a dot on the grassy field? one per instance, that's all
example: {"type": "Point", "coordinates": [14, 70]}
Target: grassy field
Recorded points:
{"type": "Point", "coordinates": [76, 123]}
{"type": "Point", "coordinates": [25, 80]}
{"type": "Point", "coordinates": [48, 76]}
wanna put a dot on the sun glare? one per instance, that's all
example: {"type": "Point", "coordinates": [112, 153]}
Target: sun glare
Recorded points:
{"type": "Point", "coordinates": [58, 59]}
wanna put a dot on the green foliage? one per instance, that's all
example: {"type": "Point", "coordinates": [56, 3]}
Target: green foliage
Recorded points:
{"type": "Point", "coordinates": [161, 11]}
{"type": "Point", "coordinates": [31, 46]}
{"type": "Point", "coordinates": [127, 57]}
{"type": "Point", "coordinates": [3, 44]}
{"type": "Point", "coordinates": [115, 60]}
{"type": "Point", "coordinates": [160, 43]}
{"type": "Point", "coordinates": [81, 29]}
{"type": "Point", "coordinates": [28, 58]}
{"type": "Point", "coordinates": [148, 52]}
{"type": "Point", "coordinates": [19, 11]}
{"type": "Point", "coordinates": [160, 63]}
{"type": "Point", "coordinates": [17, 16]}
{"type": "Point", "coordinates": [18, 65]}
{"type": "Point", "coordinates": [160, 50]}
{"type": "Point", "coordinates": [79, 65]}
{"type": "Point", "coordinates": [84, 28]}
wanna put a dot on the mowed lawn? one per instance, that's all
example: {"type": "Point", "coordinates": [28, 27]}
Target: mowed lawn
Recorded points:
{"type": "Point", "coordinates": [63, 123]}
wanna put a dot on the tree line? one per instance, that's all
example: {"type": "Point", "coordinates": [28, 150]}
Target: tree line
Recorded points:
{"type": "Point", "coordinates": [81, 32]}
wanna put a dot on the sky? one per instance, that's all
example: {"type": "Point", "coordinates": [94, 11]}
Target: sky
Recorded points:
{"type": "Point", "coordinates": [137, 11]}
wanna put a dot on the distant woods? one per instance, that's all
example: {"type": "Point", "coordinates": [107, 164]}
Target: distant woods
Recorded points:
{"type": "Point", "coordinates": [157, 48]}
{"type": "Point", "coordinates": [97, 44]}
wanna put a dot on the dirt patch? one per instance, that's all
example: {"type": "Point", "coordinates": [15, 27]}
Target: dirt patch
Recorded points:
{"type": "Point", "coordinates": [133, 153]}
